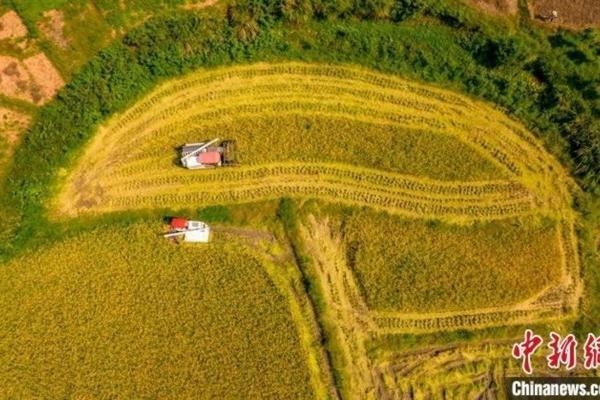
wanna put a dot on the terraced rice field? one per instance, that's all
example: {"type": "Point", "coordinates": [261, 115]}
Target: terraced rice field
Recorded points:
{"type": "Point", "coordinates": [406, 275]}
{"type": "Point", "coordinates": [353, 136]}
{"type": "Point", "coordinates": [116, 312]}
{"type": "Point", "coordinates": [470, 223]}
{"type": "Point", "coordinates": [333, 132]}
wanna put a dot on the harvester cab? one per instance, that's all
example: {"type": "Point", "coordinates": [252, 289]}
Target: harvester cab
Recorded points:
{"type": "Point", "coordinates": [190, 231]}
{"type": "Point", "coordinates": [208, 154]}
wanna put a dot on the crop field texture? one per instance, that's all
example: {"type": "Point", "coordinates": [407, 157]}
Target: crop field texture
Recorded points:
{"type": "Point", "coordinates": [438, 372]}
{"type": "Point", "coordinates": [113, 313]}
{"type": "Point", "coordinates": [472, 200]}
{"type": "Point", "coordinates": [419, 276]}
{"type": "Point", "coordinates": [407, 276]}
{"type": "Point", "coordinates": [415, 267]}
{"type": "Point", "coordinates": [310, 130]}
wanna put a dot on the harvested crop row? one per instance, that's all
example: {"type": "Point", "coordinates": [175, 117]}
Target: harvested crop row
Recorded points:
{"type": "Point", "coordinates": [293, 71]}
{"type": "Point", "coordinates": [396, 325]}
{"type": "Point", "coordinates": [504, 189]}
{"type": "Point", "coordinates": [316, 114]}
{"type": "Point", "coordinates": [173, 195]}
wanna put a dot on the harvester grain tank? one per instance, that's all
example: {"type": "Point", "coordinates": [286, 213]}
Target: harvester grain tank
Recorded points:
{"type": "Point", "coordinates": [208, 154]}
{"type": "Point", "coordinates": [190, 231]}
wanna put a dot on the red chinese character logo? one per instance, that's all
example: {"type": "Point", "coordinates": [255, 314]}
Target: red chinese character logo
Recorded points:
{"type": "Point", "coordinates": [563, 351]}
{"type": "Point", "coordinates": [526, 348]}
{"type": "Point", "coordinates": [591, 357]}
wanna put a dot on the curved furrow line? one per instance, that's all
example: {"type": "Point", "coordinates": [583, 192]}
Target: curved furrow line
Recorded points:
{"type": "Point", "coordinates": [388, 324]}
{"type": "Point", "coordinates": [153, 187]}
{"type": "Point", "coordinates": [206, 97]}
{"type": "Point", "coordinates": [501, 148]}
{"type": "Point", "coordinates": [134, 155]}
{"type": "Point", "coordinates": [296, 71]}
{"type": "Point", "coordinates": [279, 102]}
{"type": "Point", "coordinates": [499, 189]}
{"type": "Point", "coordinates": [174, 196]}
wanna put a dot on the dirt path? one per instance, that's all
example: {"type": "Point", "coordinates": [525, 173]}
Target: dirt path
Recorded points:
{"type": "Point", "coordinates": [571, 13]}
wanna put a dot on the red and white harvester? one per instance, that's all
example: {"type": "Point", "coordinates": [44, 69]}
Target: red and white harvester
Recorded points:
{"type": "Point", "coordinates": [208, 154]}
{"type": "Point", "coordinates": [191, 231]}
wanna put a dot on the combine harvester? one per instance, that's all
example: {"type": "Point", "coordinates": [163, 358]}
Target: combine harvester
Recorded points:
{"type": "Point", "coordinates": [202, 155]}
{"type": "Point", "coordinates": [192, 231]}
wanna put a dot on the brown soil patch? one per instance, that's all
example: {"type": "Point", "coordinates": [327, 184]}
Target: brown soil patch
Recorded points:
{"type": "Point", "coordinates": [573, 13]}
{"type": "Point", "coordinates": [15, 81]}
{"type": "Point", "coordinates": [34, 79]}
{"type": "Point", "coordinates": [52, 26]}
{"type": "Point", "coordinates": [12, 124]}
{"type": "Point", "coordinates": [11, 26]}
{"type": "Point", "coordinates": [501, 7]}
{"type": "Point", "coordinates": [44, 75]}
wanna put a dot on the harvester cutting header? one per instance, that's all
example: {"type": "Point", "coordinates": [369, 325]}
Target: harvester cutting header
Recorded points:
{"type": "Point", "coordinates": [208, 154]}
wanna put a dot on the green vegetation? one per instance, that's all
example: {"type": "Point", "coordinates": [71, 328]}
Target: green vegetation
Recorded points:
{"type": "Point", "coordinates": [420, 266]}
{"type": "Point", "coordinates": [118, 312]}
{"type": "Point", "coordinates": [85, 27]}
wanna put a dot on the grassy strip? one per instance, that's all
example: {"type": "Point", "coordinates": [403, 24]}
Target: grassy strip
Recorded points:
{"type": "Point", "coordinates": [18, 105]}
{"type": "Point", "coordinates": [289, 216]}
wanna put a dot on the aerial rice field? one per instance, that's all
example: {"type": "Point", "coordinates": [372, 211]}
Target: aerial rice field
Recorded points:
{"type": "Point", "coordinates": [118, 312]}
{"type": "Point", "coordinates": [417, 266]}
{"type": "Point", "coordinates": [333, 132]}
{"type": "Point", "coordinates": [431, 208]}
{"type": "Point", "coordinates": [387, 234]}
{"type": "Point", "coordinates": [479, 191]}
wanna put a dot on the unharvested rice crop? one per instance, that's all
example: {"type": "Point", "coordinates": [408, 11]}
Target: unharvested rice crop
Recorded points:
{"type": "Point", "coordinates": [118, 312]}
{"type": "Point", "coordinates": [309, 130]}
{"type": "Point", "coordinates": [415, 266]}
